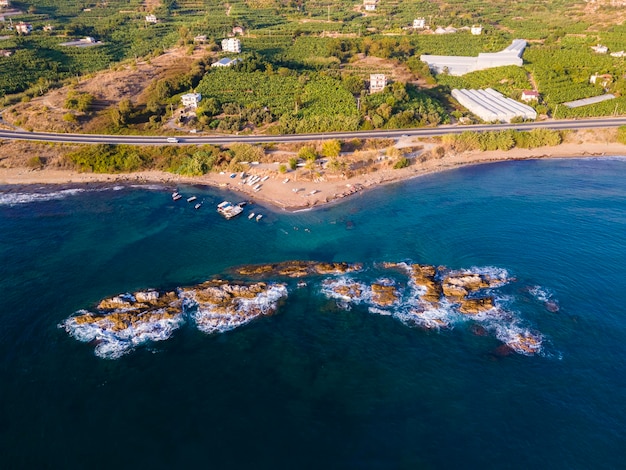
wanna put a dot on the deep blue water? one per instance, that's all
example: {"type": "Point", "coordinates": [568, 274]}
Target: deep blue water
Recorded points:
{"type": "Point", "coordinates": [315, 386]}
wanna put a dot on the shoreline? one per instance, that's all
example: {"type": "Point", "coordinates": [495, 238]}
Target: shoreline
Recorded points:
{"type": "Point", "coordinates": [297, 194]}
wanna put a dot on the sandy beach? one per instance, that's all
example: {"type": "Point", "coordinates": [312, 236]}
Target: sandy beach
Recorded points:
{"type": "Point", "coordinates": [290, 191]}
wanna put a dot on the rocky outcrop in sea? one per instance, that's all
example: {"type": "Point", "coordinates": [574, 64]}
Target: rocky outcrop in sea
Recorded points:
{"type": "Point", "coordinates": [427, 296]}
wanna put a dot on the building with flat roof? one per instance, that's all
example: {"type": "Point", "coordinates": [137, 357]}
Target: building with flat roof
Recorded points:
{"type": "Point", "coordinates": [419, 23]}
{"type": "Point", "coordinates": [225, 62]}
{"type": "Point", "coordinates": [378, 82]}
{"type": "Point", "coordinates": [370, 5]}
{"type": "Point", "coordinates": [191, 100]}
{"type": "Point", "coordinates": [24, 28]}
{"type": "Point", "coordinates": [490, 105]}
{"type": "Point", "coordinates": [231, 45]}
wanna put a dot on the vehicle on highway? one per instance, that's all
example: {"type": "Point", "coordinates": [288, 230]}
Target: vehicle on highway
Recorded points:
{"type": "Point", "coordinates": [172, 140]}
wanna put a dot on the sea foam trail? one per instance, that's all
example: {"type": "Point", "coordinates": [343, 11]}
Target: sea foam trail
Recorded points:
{"type": "Point", "coordinates": [13, 199]}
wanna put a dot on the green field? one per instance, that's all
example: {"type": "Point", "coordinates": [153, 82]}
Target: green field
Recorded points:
{"type": "Point", "coordinates": [307, 49]}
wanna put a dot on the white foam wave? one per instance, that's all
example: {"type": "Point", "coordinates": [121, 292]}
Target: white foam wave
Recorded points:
{"type": "Point", "coordinates": [211, 319]}
{"type": "Point", "coordinates": [13, 199]}
{"type": "Point", "coordinates": [111, 343]}
{"type": "Point", "coordinates": [429, 318]}
{"type": "Point", "coordinates": [346, 290]}
{"type": "Point", "coordinates": [519, 339]}
{"type": "Point", "coordinates": [542, 294]}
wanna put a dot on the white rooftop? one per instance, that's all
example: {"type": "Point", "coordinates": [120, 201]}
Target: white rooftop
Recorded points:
{"type": "Point", "coordinates": [460, 65]}
{"type": "Point", "coordinates": [490, 105]}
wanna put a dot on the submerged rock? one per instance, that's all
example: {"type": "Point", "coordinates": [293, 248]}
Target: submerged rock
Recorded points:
{"type": "Point", "coordinates": [295, 269]}
{"type": "Point", "coordinates": [384, 293]}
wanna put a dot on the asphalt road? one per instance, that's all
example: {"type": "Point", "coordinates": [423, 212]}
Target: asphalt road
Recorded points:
{"type": "Point", "coordinates": [596, 123]}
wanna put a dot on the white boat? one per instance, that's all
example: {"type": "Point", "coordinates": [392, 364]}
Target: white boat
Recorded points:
{"type": "Point", "coordinates": [313, 192]}
{"type": "Point", "coordinates": [251, 216]}
{"type": "Point", "coordinates": [286, 180]}
{"type": "Point", "coordinates": [257, 187]}
{"type": "Point", "coordinates": [265, 178]}
{"type": "Point", "coordinates": [191, 199]}
{"type": "Point", "coordinates": [259, 217]}
{"type": "Point", "coordinates": [198, 206]}
{"type": "Point", "coordinates": [176, 196]}
{"type": "Point", "coordinates": [228, 209]}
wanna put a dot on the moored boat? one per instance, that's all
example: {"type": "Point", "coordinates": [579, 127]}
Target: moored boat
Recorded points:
{"type": "Point", "coordinates": [228, 209]}
{"type": "Point", "coordinates": [259, 217]}
{"type": "Point", "coordinates": [191, 199]}
{"type": "Point", "coordinates": [251, 216]}
{"type": "Point", "coordinates": [176, 196]}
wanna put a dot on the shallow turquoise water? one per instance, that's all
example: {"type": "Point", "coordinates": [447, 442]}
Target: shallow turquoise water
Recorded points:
{"type": "Point", "coordinates": [315, 385]}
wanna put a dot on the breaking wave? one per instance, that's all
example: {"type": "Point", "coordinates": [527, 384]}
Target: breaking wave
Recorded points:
{"type": "Point", "coordinates": [113, 343]}
{"type": "Point", "coordinates": [423, 296]}
{"type": "Point", "coordinates": [215, 319]}
{"type": "Point", "coordinates": [13, 199]}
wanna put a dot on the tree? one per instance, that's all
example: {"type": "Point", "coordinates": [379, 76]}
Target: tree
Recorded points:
{"type": "Point", "coordinates": [308, 153]}
{"type": "Point", "coordinates": [331, 148]}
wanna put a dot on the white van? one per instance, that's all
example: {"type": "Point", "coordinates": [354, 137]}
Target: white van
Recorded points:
{"type": "Point", "coordinates": [172, 140]}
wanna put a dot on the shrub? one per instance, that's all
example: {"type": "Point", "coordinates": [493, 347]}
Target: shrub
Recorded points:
{"type": "Point", "coordinates": [35, 162]}
{"type": "Point", "coordinates": [621, 134]}
{"type": "Point", "coordinates": [307, 153]}
{"type": "Point", "coordinates": [402, 162]}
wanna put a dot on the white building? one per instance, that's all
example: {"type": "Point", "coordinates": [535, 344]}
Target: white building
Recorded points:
{"type": "Point", "coordinates": [489, 105]}
{"type": "Point", "coordinates": [5, 3]}
{"type": "Point", "coordinates": [370, 5]}
{"type": "Point", "coordinates": [476, 30]}
{"type": "Point", "coordinates": [448, 30]}
{"type": "Point", "coordinates": [460, 65]}
{"type": "Point", "coordinates": [24, 28]}
{"type": "Point", "coordinates": [378, 82]}
{"type": "Point", "coordinates": [618, 54]}
{"type": "Point", "coordinates": [604, 79]}
{"type": "Point", "coordinates": [201, 39]}
{"type": "Point", "coordinates": [151, 19]}
{"type": "Point", "coordinates": [231, 45]}
{"type": "Point", "coordinates": [225, 62]}
{"type": "Point", "coordinates": [191, 100]}
{"type": "Point", "coordinates": [530, 95]}
{"type": "Point", "coordinates": [600, 49]}
{"type": "Point", "coordinates": [419, 23]}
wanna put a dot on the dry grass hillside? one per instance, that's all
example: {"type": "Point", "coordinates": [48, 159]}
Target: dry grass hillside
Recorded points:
{"type": "Point", "coordinates": [128, 81]}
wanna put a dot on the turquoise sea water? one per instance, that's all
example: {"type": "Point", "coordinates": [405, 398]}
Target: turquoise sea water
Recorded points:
{"type": "Point", "coordinates": [317, 385]}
